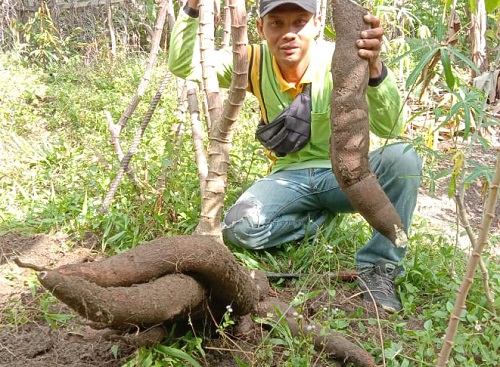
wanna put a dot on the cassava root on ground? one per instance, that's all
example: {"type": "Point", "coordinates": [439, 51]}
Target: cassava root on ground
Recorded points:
{"type": "Point", "coordinates": [203, 257]}
{"type": "Point", "coordinates": [175, 278]}
{"type": "Point", "coordinates": [127, 306]}
{"type": "Point", "coordinates": [328, 341]}
{"type": "Point", "coordinates": [350, 139]}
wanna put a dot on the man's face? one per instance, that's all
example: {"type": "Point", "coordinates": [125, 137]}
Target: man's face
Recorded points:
{"type": "Point", "coordinates": [289, 31]}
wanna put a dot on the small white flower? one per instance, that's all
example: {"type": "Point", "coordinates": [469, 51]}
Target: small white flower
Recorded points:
{"type": "Point", "coordinates": [229, 308]}
{"type": "Point", "coordinates": [295, 314]}
{"type": "Point", "coordinates": [310, 327]}
{"type": "Point", "coordinates": [478, 326]}
{"type": "Point", "coordinates": [301, 293]}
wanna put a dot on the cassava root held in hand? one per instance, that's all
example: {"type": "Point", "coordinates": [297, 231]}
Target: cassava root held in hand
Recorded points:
{"type": "Point", "coordinates": [350, 139]}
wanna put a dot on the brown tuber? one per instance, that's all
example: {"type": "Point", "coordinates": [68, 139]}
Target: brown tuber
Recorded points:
{"type": "Point", "coordinates": [119, 307]}
{"type": "Point", "coordinates": [350, 139]}
{"type": "Point", "coordinates": [203, 257]}
{"type": "Point", "coordinates": [176, 278]}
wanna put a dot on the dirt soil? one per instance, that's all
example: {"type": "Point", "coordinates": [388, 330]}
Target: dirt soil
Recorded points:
{"type": "Point", "coordinates": [28, 339]}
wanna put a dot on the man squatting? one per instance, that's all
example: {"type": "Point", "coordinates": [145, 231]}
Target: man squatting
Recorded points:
{"type": "Point", "coordinates": [301, 191]}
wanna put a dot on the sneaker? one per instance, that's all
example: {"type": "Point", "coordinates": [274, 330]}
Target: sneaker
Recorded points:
{"type": "Point", "coordinates": [377, 284]}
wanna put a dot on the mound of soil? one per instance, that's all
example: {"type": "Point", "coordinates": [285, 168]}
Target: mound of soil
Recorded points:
{"type": "Point", "coordinates": [36, 343]}
{"type": "Point", "coordinates": [41, 345]}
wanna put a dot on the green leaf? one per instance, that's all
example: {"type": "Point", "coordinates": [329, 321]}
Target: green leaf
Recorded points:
{"type": "Point", "coordinates": [486, 172]}
{"type": "Point", "coordinates": [303, 297]}
{"type": "Point", "coordinates": [420, 67]}
{"type": "Point", "coordinates": [239, 362]}
{"type": "Point", "coordinates": [341, 324]}
{"type": "Point", "coordinates": [467, 121]}
{"type": "Point", "coordinates": [406, 54]}
{"type": "Point", "coordinates": [448, 72]}
{"type": "Point", "coordinates": [464, 58]}
{"type": "Point", "coordinates": [484, 143]}
{"type": "Point", "coordinates": [453, 186]}
{"type": "Point", "coordinates": [59, 316]}
{"type": "Point", "coordinates": [330, 33]}
{"type": "Point", "coordinates": [443, 173]}
{"type": "Point", "coordinates": [277, 341]}
{"type": "Point", "coordinates": [114, 351]}
{"type": "Point", "coordinates": [177, 353]}
{"type": "Point", "coordinates": [491, 5]}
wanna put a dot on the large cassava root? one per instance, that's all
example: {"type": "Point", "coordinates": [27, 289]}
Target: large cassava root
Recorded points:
{"type": "Point", "coordinates": [203, 257]}
{"type": "Point", "coordinates": [119, 307]}
{"type": "Point", "coordinates": [350, 139]}
{"type": "Point", "coordinates": [176, 278]}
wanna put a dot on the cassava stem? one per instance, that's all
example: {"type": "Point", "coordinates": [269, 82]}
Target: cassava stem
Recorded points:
{"type": "Point", "coordinates": [223, 127]}
{"type": "Point", "coordinates": [350, 139]}
{"type": "Point", "coordinates": [463, 291]}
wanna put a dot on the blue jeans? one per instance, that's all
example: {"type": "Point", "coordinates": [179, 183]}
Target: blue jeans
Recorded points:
{"type": "Point", "coordinates": [288, 204]}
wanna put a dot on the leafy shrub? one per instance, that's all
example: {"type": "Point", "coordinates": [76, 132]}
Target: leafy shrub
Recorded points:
{"type": "Point", "coordinates": [43, 44]}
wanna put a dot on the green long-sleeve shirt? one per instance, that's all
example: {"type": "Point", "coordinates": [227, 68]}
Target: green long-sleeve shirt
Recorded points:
{"type": "Point", "coordinates": [275, 94]}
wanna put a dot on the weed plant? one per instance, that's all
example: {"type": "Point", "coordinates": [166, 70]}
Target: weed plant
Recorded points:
{"type": "Point", "coordinates": [56, 165]}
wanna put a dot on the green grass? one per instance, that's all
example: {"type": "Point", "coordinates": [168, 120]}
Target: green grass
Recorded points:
{"type": "Point", "coordinates": [56, 165]}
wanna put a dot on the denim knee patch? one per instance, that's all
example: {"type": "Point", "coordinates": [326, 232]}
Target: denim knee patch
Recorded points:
{"type": "Point", "coordinates": [241, 210]}
{"type": "Point", "coordinates": [242, 226]}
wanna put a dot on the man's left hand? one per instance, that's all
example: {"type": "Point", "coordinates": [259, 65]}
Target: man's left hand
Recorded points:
{"type": "Point", "coordinates": [370, 44]}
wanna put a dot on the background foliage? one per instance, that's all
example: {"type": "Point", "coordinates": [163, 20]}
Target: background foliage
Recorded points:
{"type": "Point", "coordinates": [56, 164]}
